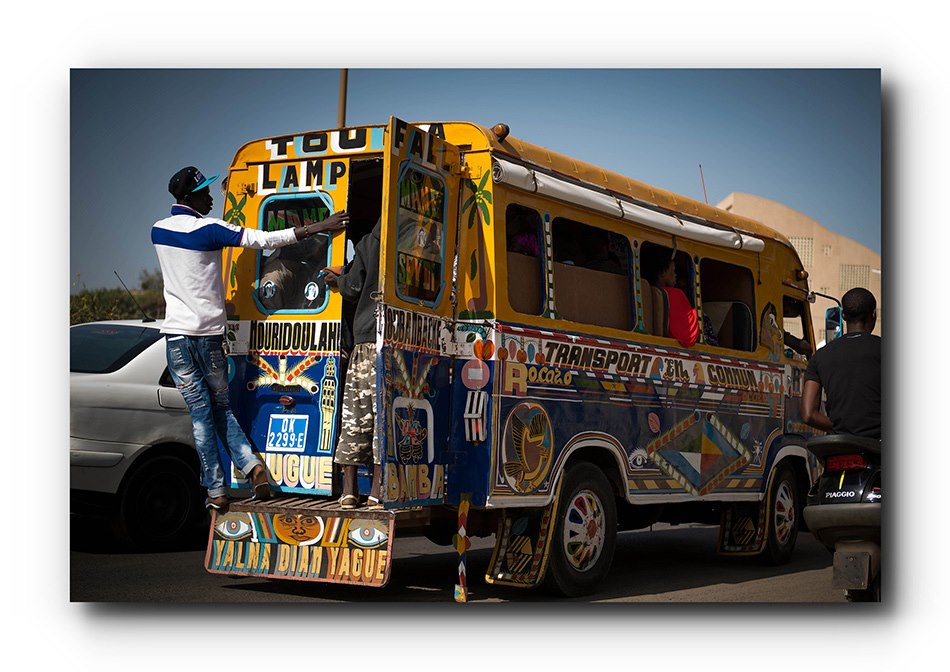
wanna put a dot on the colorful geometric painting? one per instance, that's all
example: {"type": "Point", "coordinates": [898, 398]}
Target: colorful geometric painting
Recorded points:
{"type": "Point", "coordinates": [698, 453]}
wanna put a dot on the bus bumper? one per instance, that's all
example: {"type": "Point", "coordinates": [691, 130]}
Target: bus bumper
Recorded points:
{"type": "Point", "coordinates": [302, 540]}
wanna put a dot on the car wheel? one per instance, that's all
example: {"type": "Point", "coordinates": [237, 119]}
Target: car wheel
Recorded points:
{"type": "Point", "coordinates": [160, 504]}
{"type": "Point", "coordinates": [585, 532]}
{"type": "Point", "coordinates": [783, 517]}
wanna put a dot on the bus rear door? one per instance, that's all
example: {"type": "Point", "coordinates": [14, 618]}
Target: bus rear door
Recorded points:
{"type": "Point", "coordinates": [418, 240]}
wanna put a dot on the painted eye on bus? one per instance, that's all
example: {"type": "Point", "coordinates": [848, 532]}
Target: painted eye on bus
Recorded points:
{"type": "Point", "coordinates": [234, 526]}
{"type": "Point", "coordinates": [639, 458]}
{"type": "Point", "coordinates": [368, 533]}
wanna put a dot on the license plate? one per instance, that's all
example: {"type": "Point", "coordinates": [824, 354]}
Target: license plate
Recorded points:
{"type": "Point", "coordinates": [287, 433]}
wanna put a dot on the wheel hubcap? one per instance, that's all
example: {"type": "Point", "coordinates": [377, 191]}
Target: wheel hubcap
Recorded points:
{"type": "Point", "coordinates": [784, 515]}
{"type": "Point", "coordinates": [162, 504]}
{"type": "Point", "coordinates": [584, 531]}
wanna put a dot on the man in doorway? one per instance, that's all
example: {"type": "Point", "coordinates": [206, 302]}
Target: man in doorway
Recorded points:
{"type": "Point", "coordinates": [848, 369]}
{"type": "Point", "coordinates": [359, 443]}
{"type": "Point", "coordinates": [188, 245]}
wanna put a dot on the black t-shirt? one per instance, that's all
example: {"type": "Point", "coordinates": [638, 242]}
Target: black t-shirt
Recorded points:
{"type": "Point", "coordinates": [849, 370]}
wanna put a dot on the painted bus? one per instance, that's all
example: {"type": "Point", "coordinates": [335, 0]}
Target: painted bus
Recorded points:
{"type": "Point", "coordinates": [527, 384]}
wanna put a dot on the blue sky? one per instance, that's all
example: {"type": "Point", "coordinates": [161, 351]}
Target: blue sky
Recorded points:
{"type": "Point", "coordinates": [807, 138]}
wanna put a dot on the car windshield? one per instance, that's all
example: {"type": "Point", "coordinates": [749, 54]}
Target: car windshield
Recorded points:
{"type": "Point", "coordinates": [104, 348]}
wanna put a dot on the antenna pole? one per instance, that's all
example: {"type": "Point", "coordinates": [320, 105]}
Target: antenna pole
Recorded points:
{"type": "Point", "coordinates": [341, 115]}
{"type": "Point", "coordinates": [706, 198]}
{"type": "Point", "coordinates": [146, 318]}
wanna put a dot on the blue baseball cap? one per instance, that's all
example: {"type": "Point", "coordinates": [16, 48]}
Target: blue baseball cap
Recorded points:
{"type": "Point", "coordinates": [187, 181]}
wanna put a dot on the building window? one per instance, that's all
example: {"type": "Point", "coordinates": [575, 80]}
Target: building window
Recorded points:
{"type": "Point", "coordinates": [853, 275]}
{"type": "Point", "coordinates": [824, 290]}
{"type": "Point", "coordinates": [805, 248]}
{"type": "Point", "coordinates": [826, 249]}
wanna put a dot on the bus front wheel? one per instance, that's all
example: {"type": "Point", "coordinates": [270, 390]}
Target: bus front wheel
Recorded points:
{"type": "Point", "coordinates": [783, 516]}
{"type": "Point", "coordinates": [584, 534]}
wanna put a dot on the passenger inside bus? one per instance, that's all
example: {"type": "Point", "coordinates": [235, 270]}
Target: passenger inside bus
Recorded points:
{"type": "Point", "coordinates": [674, 315]}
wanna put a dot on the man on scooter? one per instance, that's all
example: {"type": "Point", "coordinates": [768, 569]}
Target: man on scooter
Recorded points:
{"type": "Point", "coordinates": [848, 369]}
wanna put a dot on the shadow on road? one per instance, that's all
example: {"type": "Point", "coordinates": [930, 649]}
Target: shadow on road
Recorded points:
{"type": "Point", "coordinates": [668, 565]}
{"type": "Point", "coordinates": [645, 564]}
{"type": "Point", "coordinates": [92, 534]}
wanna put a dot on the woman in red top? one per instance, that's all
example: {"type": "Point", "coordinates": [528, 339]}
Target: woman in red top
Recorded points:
{"type": "Point", "coordinates": [683, 325]}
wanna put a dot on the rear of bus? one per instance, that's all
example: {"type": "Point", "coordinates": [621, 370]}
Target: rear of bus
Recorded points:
{"type": "Point", "coordinates": [286, 328]}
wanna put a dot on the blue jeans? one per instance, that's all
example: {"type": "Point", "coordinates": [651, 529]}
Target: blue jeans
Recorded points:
{"type": "Point", "coordinates": [197, 365]}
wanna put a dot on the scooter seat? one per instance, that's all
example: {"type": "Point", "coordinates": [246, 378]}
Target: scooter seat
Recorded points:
{"type": "Point", "coordinates": [840, 444]}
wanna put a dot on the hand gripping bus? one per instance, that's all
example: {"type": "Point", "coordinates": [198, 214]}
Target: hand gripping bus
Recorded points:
{"type": "Point", "coordinates": [528, 386]}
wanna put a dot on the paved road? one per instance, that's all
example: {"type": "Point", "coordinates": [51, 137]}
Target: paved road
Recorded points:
{"type": "Point", "coordinates": [677, 564]}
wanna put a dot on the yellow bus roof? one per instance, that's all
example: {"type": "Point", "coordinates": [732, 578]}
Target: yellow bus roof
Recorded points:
{"type": "Point", "coordinates": [483, 138]}
{"type": "Point", "coordinates": [620, 184]}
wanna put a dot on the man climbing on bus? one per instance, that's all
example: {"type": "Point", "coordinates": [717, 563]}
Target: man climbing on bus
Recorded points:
{"type": "Point", "coordinates": [188, 245]}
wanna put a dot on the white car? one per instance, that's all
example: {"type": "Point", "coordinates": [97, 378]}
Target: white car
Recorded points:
{"type": "Point", "coordinates": [131, 450]}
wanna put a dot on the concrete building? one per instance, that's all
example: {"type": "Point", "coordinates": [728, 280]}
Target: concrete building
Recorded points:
{"type": "Point", "coordinates": [834, 263]}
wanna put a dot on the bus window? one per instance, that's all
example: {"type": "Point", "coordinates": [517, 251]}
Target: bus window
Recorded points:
{"type": "Point", "coordinates": [287, 277]}
{"type": "Point", "coordinates": [728, 293]}
{"type": "Point", "coordinates": [654, 260]}
{"type": "Point", "coordinates": [592, 275]}
{"type": "Point", "coordinates": [525, 261]}
{"type": "Point", "coordinates": [420, 230]}
{"type": "Point", "coordinates": [795, 328]}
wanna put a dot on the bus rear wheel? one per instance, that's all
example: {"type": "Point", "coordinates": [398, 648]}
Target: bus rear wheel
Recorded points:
{"type": "Point", "coordinates": [584, 534]}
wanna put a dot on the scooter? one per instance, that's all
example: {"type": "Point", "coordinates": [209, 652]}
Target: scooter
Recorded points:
{"type": "Point", "coordinates": [843, 511]}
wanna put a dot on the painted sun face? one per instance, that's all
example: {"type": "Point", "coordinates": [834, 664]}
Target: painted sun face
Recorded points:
{"type": "Point", "coordinates": [298, 528]}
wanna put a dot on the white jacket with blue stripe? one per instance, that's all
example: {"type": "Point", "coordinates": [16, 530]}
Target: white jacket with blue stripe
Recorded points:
{"type": "Point", "coordinates": [189, 251]}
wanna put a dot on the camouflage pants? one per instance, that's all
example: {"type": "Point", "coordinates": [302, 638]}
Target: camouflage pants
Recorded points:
{"type": "Point", "coordinates": [358, 443]}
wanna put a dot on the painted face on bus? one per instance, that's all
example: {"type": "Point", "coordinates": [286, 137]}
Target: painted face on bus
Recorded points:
{"type": "Point", "coordinates": [297, 529]}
